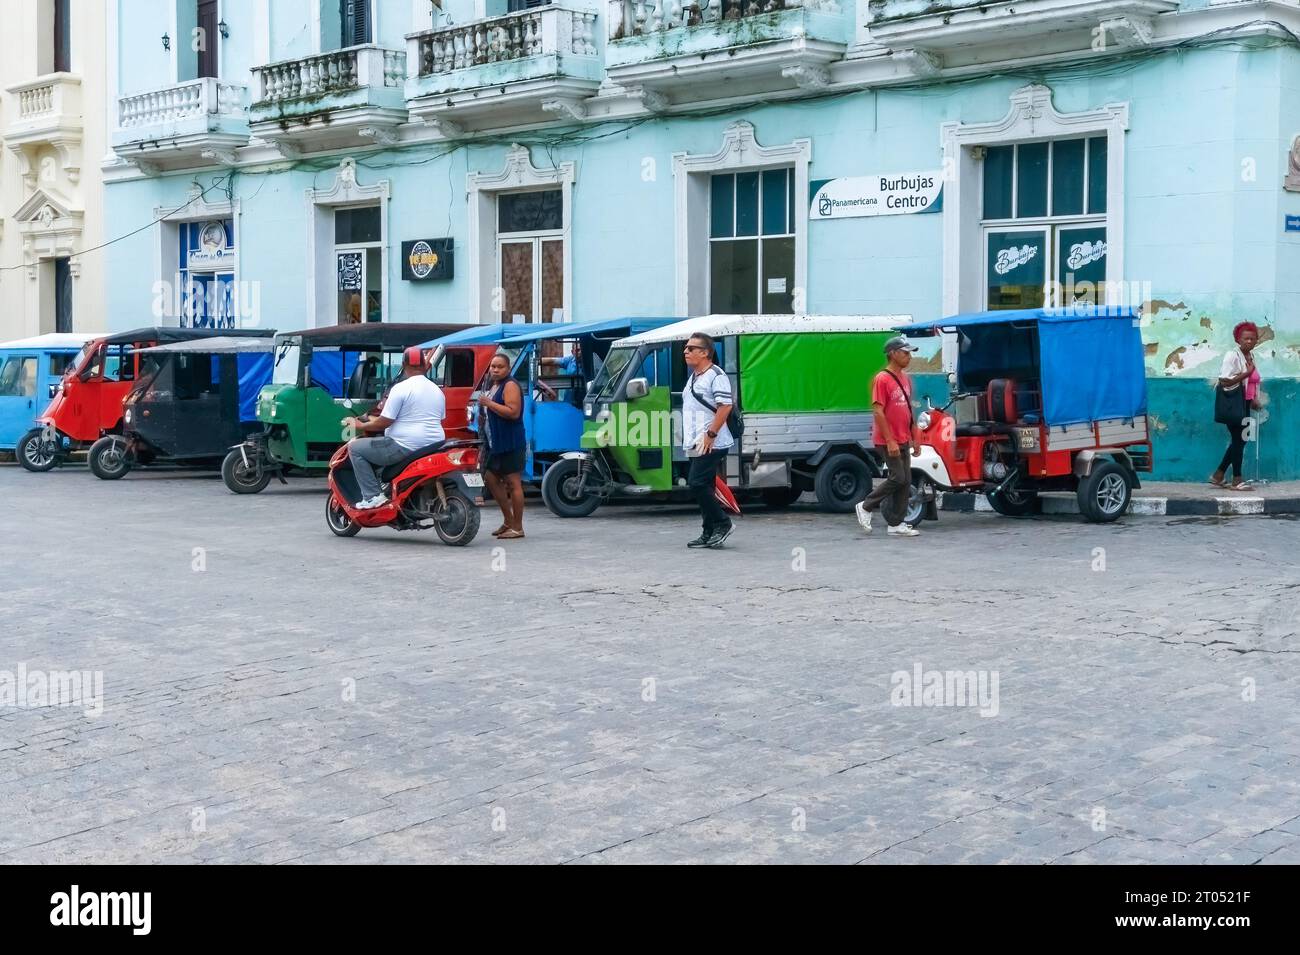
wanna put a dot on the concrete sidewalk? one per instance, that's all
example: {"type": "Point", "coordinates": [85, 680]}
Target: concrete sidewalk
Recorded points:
{"type": "Point", "coordinates": [1169, 499]}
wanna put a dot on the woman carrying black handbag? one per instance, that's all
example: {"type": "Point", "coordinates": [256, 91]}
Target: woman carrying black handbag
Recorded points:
{"type": "Point", "coordinates": [1235, 394]}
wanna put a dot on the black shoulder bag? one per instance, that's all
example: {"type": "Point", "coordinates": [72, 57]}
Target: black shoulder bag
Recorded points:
{"type": "Point", "coordinates": [735, 420]}
{"type": "Point", "coordinates": [1229, 406]}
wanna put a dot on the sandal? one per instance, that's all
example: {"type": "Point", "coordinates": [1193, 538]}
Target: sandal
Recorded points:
{"type": "Point", "coordinates": [501, 530]}
{"type": "Point", "coordinates": [1214, 483]}
{"type": "Point", "coordinates": [510, 534]}
{"type": "Point", "coordinates": [1239, 487]}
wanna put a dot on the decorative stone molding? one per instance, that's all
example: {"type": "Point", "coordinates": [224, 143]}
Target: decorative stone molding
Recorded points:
{"type": "Point", "coordinates": [1292, 181]}
{"type": "Point", "coordinates": [225, 157]}
{"type": "Point", "coordinates": [922, 62]}
{"type": "Point", "coordinates": [1031, 117]}
{"type": "Point", "coordinates": [445, 127]}
{"type": "Point", "coordinates": [345, 191]}
{"type": "Point", "coordinates": [807, 76]}
{"type": "Point", "coordinates": [378, 135]}
{"type": "Point", "coordinates": [1127, 32]}
{"type": "Point", "coordinates": [651, 100]}
{"type": "Point", "coordinates": [740, 151]}
{"type": "Point", "coordinates": [565, 108]}
{"type": "Point", "coordinates": [517, 174]}
{"type": "Point", "coordinates": [50, 227]}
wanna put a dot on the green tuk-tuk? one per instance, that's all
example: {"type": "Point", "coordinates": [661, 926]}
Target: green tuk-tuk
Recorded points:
{"type": "Point", "coordinates": [320, 377]}
{"type": "Point", "coordinates": [802, 382]}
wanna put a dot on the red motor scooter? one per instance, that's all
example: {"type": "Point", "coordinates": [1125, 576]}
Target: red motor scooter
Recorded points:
{"type": "Point", "coordinates": [437, 486]}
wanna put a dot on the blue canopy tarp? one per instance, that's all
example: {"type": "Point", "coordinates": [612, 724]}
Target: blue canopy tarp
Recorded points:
{"type": "Point", "coordinates": [611, 328]}
{"type": "Point", "coordinates": [1090, 360]}
{"type": "Point", "coordinates": [479, 335]}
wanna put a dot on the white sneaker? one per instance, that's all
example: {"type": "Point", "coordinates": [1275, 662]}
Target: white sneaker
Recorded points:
{"type": "Point", "coordinates": [864, 516]}
{"type": "Point", "coordinates": [371, 503]}
{"type": "Point", "coordinates": [904, 530]}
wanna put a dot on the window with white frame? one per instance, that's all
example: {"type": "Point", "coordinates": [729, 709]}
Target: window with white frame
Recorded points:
{"type": "Point", "coordinates": [1043, 218]}
{"type": "Point", "coordinates": [752, 242]}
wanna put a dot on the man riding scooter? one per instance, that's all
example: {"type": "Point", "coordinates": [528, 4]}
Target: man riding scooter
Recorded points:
{"type": "Point", "coordinates": [411, 419]}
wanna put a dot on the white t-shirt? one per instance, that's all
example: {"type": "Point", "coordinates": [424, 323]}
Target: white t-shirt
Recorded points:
{"type": "Point", "coordinates": [1234, 364]}
{"type": "Point", "coordinates": [715, 388]}
{"type": "Point", "coordinates": [417, 406]}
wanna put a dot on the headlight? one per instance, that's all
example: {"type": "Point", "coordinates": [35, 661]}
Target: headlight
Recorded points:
{"type": "Point", "coordinates": [587, 409]}
{"type": "Point", "coordinates": [273, 407]}
{"type": "Point", "coordinates": [923, 421]}
{"type": "Point", "coordinates": [127, 417]}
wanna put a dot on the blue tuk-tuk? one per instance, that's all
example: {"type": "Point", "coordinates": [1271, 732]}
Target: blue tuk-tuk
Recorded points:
{"type": "Point", "coordinates": [553, 362]}
{"type": "Point", "coordinates": [30, 371]}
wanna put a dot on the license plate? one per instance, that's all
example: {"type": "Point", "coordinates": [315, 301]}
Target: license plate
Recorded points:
{"type": "Point", "coordinates": [474, 480]}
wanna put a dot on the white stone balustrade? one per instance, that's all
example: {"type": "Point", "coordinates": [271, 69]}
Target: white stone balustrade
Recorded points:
{"type": "Point", "coordinates": [45, 100]}
{"type": "Point", "coordinates": [202, 97]}
{"type": "Point", "coordinates": [351, 68]}
{"type": "Point", "coordinates": [540, 31]}
{"type": "Point", "coordinates": [628, 18]}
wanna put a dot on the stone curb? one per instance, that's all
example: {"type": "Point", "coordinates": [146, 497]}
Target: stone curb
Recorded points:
{"type": "Point", "coordinates": [1234, 505]}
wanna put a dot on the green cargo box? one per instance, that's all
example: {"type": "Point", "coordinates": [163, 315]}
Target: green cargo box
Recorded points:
{"type": "Point", "coordinates": [808, 373]}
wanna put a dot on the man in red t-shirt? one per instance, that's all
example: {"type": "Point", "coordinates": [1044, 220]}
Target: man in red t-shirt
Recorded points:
{"type": "Point", "coordinates": [891, 404]}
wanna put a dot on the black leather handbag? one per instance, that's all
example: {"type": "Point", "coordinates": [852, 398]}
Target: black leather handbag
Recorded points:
{"type": "Point", "coordinates": [1230, 406]}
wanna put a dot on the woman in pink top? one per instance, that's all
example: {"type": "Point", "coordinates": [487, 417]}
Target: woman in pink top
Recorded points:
{"type": "Point", "coordinates": [1238, 371]}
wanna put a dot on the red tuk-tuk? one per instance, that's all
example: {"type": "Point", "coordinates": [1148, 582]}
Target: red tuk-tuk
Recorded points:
{"type": "Point", "coordinates": [88, 402]}
{"type": "Point", "coordinates": [1060, 405]}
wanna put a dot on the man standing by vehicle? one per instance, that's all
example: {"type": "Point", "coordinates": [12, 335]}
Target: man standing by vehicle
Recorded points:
{"type": "Point", "coordinates": [891, 406]}
{"type": "Point", "coordinates": [706, 403]}
{"type": "Point", "coordinates": [412, 419]}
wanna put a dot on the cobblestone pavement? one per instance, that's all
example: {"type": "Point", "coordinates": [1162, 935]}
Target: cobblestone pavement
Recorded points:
{"type": "Point", "coordinates": [599, 693]}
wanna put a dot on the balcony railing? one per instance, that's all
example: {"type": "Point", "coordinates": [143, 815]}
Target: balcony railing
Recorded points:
{"type": "Point", "coordinates": [515, 36]}
{"type": "Point", "coordinates": [354, 67]}
{"type": "Point", "coordinates": [47, 99]}
{"type": "Point", "coordinates": [644, 17]}
{"type": "Point", "coordinates": [197, 98]}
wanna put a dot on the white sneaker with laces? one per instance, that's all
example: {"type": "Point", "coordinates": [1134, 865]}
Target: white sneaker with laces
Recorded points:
{"type": "Point", "coordinates": [904, 530]}
{"type": "Point", "coordinates": [864, 516]}
{"type": "Point", "coordinates": [371, 503]}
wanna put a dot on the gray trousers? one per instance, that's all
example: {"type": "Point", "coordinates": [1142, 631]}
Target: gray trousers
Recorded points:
{"type": "Point", "coordinates": [369, 455]}
{"type": "Point", "coordinates": [896, 487]}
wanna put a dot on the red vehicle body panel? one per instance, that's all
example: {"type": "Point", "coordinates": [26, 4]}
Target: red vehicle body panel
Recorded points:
{"type": "Point", "coordinates": [456, 421]}
{"type": "Point", "coordinates": [86, 409]}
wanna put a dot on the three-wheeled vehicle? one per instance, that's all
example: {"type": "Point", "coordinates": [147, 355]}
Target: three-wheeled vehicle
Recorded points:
{"type": "Point", "coordinates": [802, 382]}
{"type": "Point", "coordinates": [321, 376]}
{"type": "Point", "coordinates": [30, 370]}
{"type": "Point", "coordinates": [553, 362]}
{"type": "Point", "coordinates": [1060, 404]}
{"type": "Point", "coordinates": [193, 400]}
{"type": "Point", "coordinates": [88, 401]}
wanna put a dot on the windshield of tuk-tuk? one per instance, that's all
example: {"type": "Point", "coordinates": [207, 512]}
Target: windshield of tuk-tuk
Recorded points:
{"type": "Point", "coordinates": [79, 362]}
{"type": "Point", "coordinates": [288, 353]}
{"type": "Point", "coordinates": [607, 379]}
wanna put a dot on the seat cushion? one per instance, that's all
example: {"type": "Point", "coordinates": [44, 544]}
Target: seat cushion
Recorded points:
{"type": "Point", "coordinates": [971, 430]}
{"type": "Point", "coordinates": [392, 470]}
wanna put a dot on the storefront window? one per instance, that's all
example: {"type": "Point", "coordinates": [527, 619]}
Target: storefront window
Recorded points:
{"type": "Point", "coordinates": [751, 242]}
{"type": "Point", "coordinates": [1060, 188]}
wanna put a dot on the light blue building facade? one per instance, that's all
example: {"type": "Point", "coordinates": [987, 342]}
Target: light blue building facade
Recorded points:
{"type": "Point", "coordinates": [293, 163]}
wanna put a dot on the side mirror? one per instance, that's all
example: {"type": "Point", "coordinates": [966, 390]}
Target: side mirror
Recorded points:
{"type": "Point", "coordinates": [637, 388]}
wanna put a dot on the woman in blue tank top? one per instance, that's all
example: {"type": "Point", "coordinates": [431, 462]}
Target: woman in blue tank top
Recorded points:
{"type": "Point", "coordinates": [502, 427]}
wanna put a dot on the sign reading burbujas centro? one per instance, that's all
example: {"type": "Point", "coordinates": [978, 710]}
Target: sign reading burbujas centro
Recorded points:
{"type": "Point", "coordinates": [891, 194]}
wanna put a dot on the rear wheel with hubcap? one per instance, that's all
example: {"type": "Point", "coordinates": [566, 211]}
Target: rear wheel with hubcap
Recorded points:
{"type": "Point", "coordinates": [842, 481]}
{"type": "Point", "coordinates": [109, 458]}
{"type": "Point", "coordinates": [1105, 493]}
{"type": "Point", "coordinates": [38, 450]}
{"type": "Point", "coordinates": [456, 520]}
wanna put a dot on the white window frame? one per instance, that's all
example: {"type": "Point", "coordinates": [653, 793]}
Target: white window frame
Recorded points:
{"type": "Point", "coordinates": [692, 175]}
{"type": "Point", "coordinates": [1031, 117]}
{"type": "Point", "coordinates": [1050, 224]}
{"type": "Point", "coordinates": [322, 279]}
{"type": "Point", "coordinates": [536, 237]}
{"type": "Point", "coordinates": [758, 237]}
{"type": "Point", "coordinates": [167, 276]}
{"type": "Point", "coordinates": [517, 175]}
